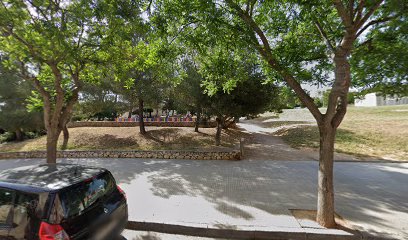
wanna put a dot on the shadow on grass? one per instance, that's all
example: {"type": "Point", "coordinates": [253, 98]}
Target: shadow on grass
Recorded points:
{"type": "Point", "coordinates": [165, 135]}
{"type": "Point", "coordinates": [17, 146]}
{"type": "Point", "coordinates": [106, 141]}
{"type": "Point", "coordinates": [177, 139]}
{"type": "Point", "coordinates": [308, 137]}
{"type": "Point", "coordinates": [276, 124]}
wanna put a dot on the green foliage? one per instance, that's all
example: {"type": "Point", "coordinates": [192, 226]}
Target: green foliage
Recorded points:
{"type": "Point", "coordinates": [99, 101]}
{"type": "Point", "coordinates": [142, 64]}
{"type": "Point", "coordinates": [49, 44]}
{"type": "Point", "coordinates": [287, 99]}
{"type": "Point", "coordinates": [189, 94]}
{"type": "Point", "coordinates": [7, 137]}
{"type": "Point", "coordinates": [248, 98]}
{"type": "Point", "coordinates": [14, 114]}
{"type": "Point", "coordinates": [318, 102]}
{"type": "Point", "coordinates": [380, 62]}
{"type": "Point", "coordinates": [350, 97]}
{"type": "Point", "coordinates": [325, 98]}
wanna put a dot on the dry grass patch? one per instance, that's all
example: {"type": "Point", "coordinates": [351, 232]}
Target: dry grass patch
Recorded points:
{"type": "Point", "coordinates": [377, 132]}
{"type": "Point", "coordinates": [129, 138]}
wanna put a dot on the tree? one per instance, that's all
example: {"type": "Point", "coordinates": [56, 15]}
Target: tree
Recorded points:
{"type": "Point", "coordinates": [50, 43]}
{"type": "Point", "coordinates": [189, 94]}
{"type": "Point", "coordinates": [299, 41]}
{"type": "Point", "coordinates": [339, 32]}
{"type": "Point", "coordinates": [100, 100]}
{"type": "Point", "coordinates": [236, 85]}
{"type": "Point", "coordinates": [14, 114]}
{"type": "Point", "coordinates": [227, 85]}
{"type": "Point", "coordinates": [250, 97]}
{"type": "Point", "coordinates": [137, 59]}
{"type": "Point", "coordinates": [142, 74]}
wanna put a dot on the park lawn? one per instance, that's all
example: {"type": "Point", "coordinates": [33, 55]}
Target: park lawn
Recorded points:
{"type": "Point", "coordinates": [373, 132]}
{"type": "Point", "coordinates": [128, 138]}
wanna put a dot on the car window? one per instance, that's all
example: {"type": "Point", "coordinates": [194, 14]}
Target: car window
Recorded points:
{"type": "Point", "coordinates": [16, 207]}
{"type": "Point", "coordinates": [77, 198]}
{"type": "Point", "coordinates": [24, 209]}
{"type": "Point", "coordinates": [6, 205]}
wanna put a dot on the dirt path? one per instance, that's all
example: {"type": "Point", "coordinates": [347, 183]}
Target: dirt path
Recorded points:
{"type": "Point", "coordinates": [263, 145]}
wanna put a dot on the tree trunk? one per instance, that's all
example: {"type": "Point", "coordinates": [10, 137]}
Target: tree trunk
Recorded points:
{"type": "Point", "coordinates": [219, 129]}
{"type": "Point", "coordinates": [19, 134]}
{"type": "Point", "coordinates": [130, 112]}
{"type": "Point", "coordinates": [141, 121]}
{"type": "Point", "coordinates": [52, 140]}
{"type": "Point", "coordinates": [197, 123]}
{"type": "Point", "coordinates": [325, 196]}
{"type": "Point", "coordinates": [66, 137]}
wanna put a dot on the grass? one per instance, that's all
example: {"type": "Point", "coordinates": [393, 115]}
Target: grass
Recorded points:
{"type": "Point", "coordinates": [375, 132]}
{"type": "Point", "coordinates": [128, 138]}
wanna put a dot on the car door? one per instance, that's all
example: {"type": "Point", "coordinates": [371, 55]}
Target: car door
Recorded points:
{"type": "Point", "coordinates": [7, 197]}
{"type": "Point", "coordinates": [18, 214]}
{"type": "Point", "coordinates": [88, 205]}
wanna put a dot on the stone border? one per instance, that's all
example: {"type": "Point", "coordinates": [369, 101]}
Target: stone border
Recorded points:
{"type": "Point", "coordinates": [159, 154]}
{"type": "Point", "coordinates": [233, 233]}
{"type": "Point", "coordinates": [136, 124]}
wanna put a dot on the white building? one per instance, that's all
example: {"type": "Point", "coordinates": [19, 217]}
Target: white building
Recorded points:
{"type": "Point", "coordinates": [373, 100]}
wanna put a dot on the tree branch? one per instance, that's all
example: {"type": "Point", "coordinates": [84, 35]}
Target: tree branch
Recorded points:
{"type": "Point", "coordinates": [324, 36]}
{"type": "Point", "coordinates": [44, 94]}
{"type": "Point", "coordinates": [30, 47]}
{"type": "Point", "coordinates": [251, 10]}
{"type": "Point", "coordinates": [39, 10]}
{"type": "Point", "coordinates": [376, 21]}
{"type": "Point", "coordinates": [364, 19]}
{"type": "Point", "coordinates": [359, 11]}
{"type": "Point", "coordinates": [67, 110]}
{"type": "Point", "coordinates": [342, 11]}
{"type": "Point", "coordinates": [60, 95]}
{"type": "Point", "coordinates": [266, 53]}
{"type": "Point", "coordinates": [340, 112]}
{"type": "Point", "coordinates": [351, 9]}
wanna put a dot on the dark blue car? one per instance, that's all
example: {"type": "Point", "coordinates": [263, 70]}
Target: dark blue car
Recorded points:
{"type": "Point", "coordinates": [61, 202]}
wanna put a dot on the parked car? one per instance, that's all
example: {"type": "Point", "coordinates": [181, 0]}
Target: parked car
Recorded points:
{"type": "Point", "coordinates": [61, 202]}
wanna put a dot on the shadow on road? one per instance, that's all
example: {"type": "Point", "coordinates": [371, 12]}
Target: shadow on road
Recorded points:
{"type": "Point", "coordinates": [371, 195]}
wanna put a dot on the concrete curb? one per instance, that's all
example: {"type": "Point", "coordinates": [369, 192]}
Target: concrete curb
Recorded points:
{"type": "Point", "coordinates": [231, 233]}
{"type": "Point", "coordinates": [158, 154]}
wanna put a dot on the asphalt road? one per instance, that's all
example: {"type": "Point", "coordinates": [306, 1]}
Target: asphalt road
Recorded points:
{"type": "Point", "coordinates": [256, 194]}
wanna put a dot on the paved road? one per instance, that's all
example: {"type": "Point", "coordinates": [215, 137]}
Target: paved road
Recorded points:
{"type": "Point", "coordinates": [256, 194]}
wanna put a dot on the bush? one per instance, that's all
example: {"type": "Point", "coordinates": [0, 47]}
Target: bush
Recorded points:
{"type": "Point", "coordinates": [35, 134]}
{"type": "Point", "coordinates": [318, 102]}
{"type": "Point", "coordinates": [11, 136]}
{"type": "Point", "coordinates": [350, 97]}
{"type": "Point", "coordinates": [7, 137]}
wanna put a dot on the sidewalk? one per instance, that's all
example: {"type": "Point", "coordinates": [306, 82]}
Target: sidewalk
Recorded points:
{"type": "Point", "coordinates": [256, 195]}
{"type": "Point", "coordinates": [171, 200]}
{"type": "Point", "coordinates": [139, 235]}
